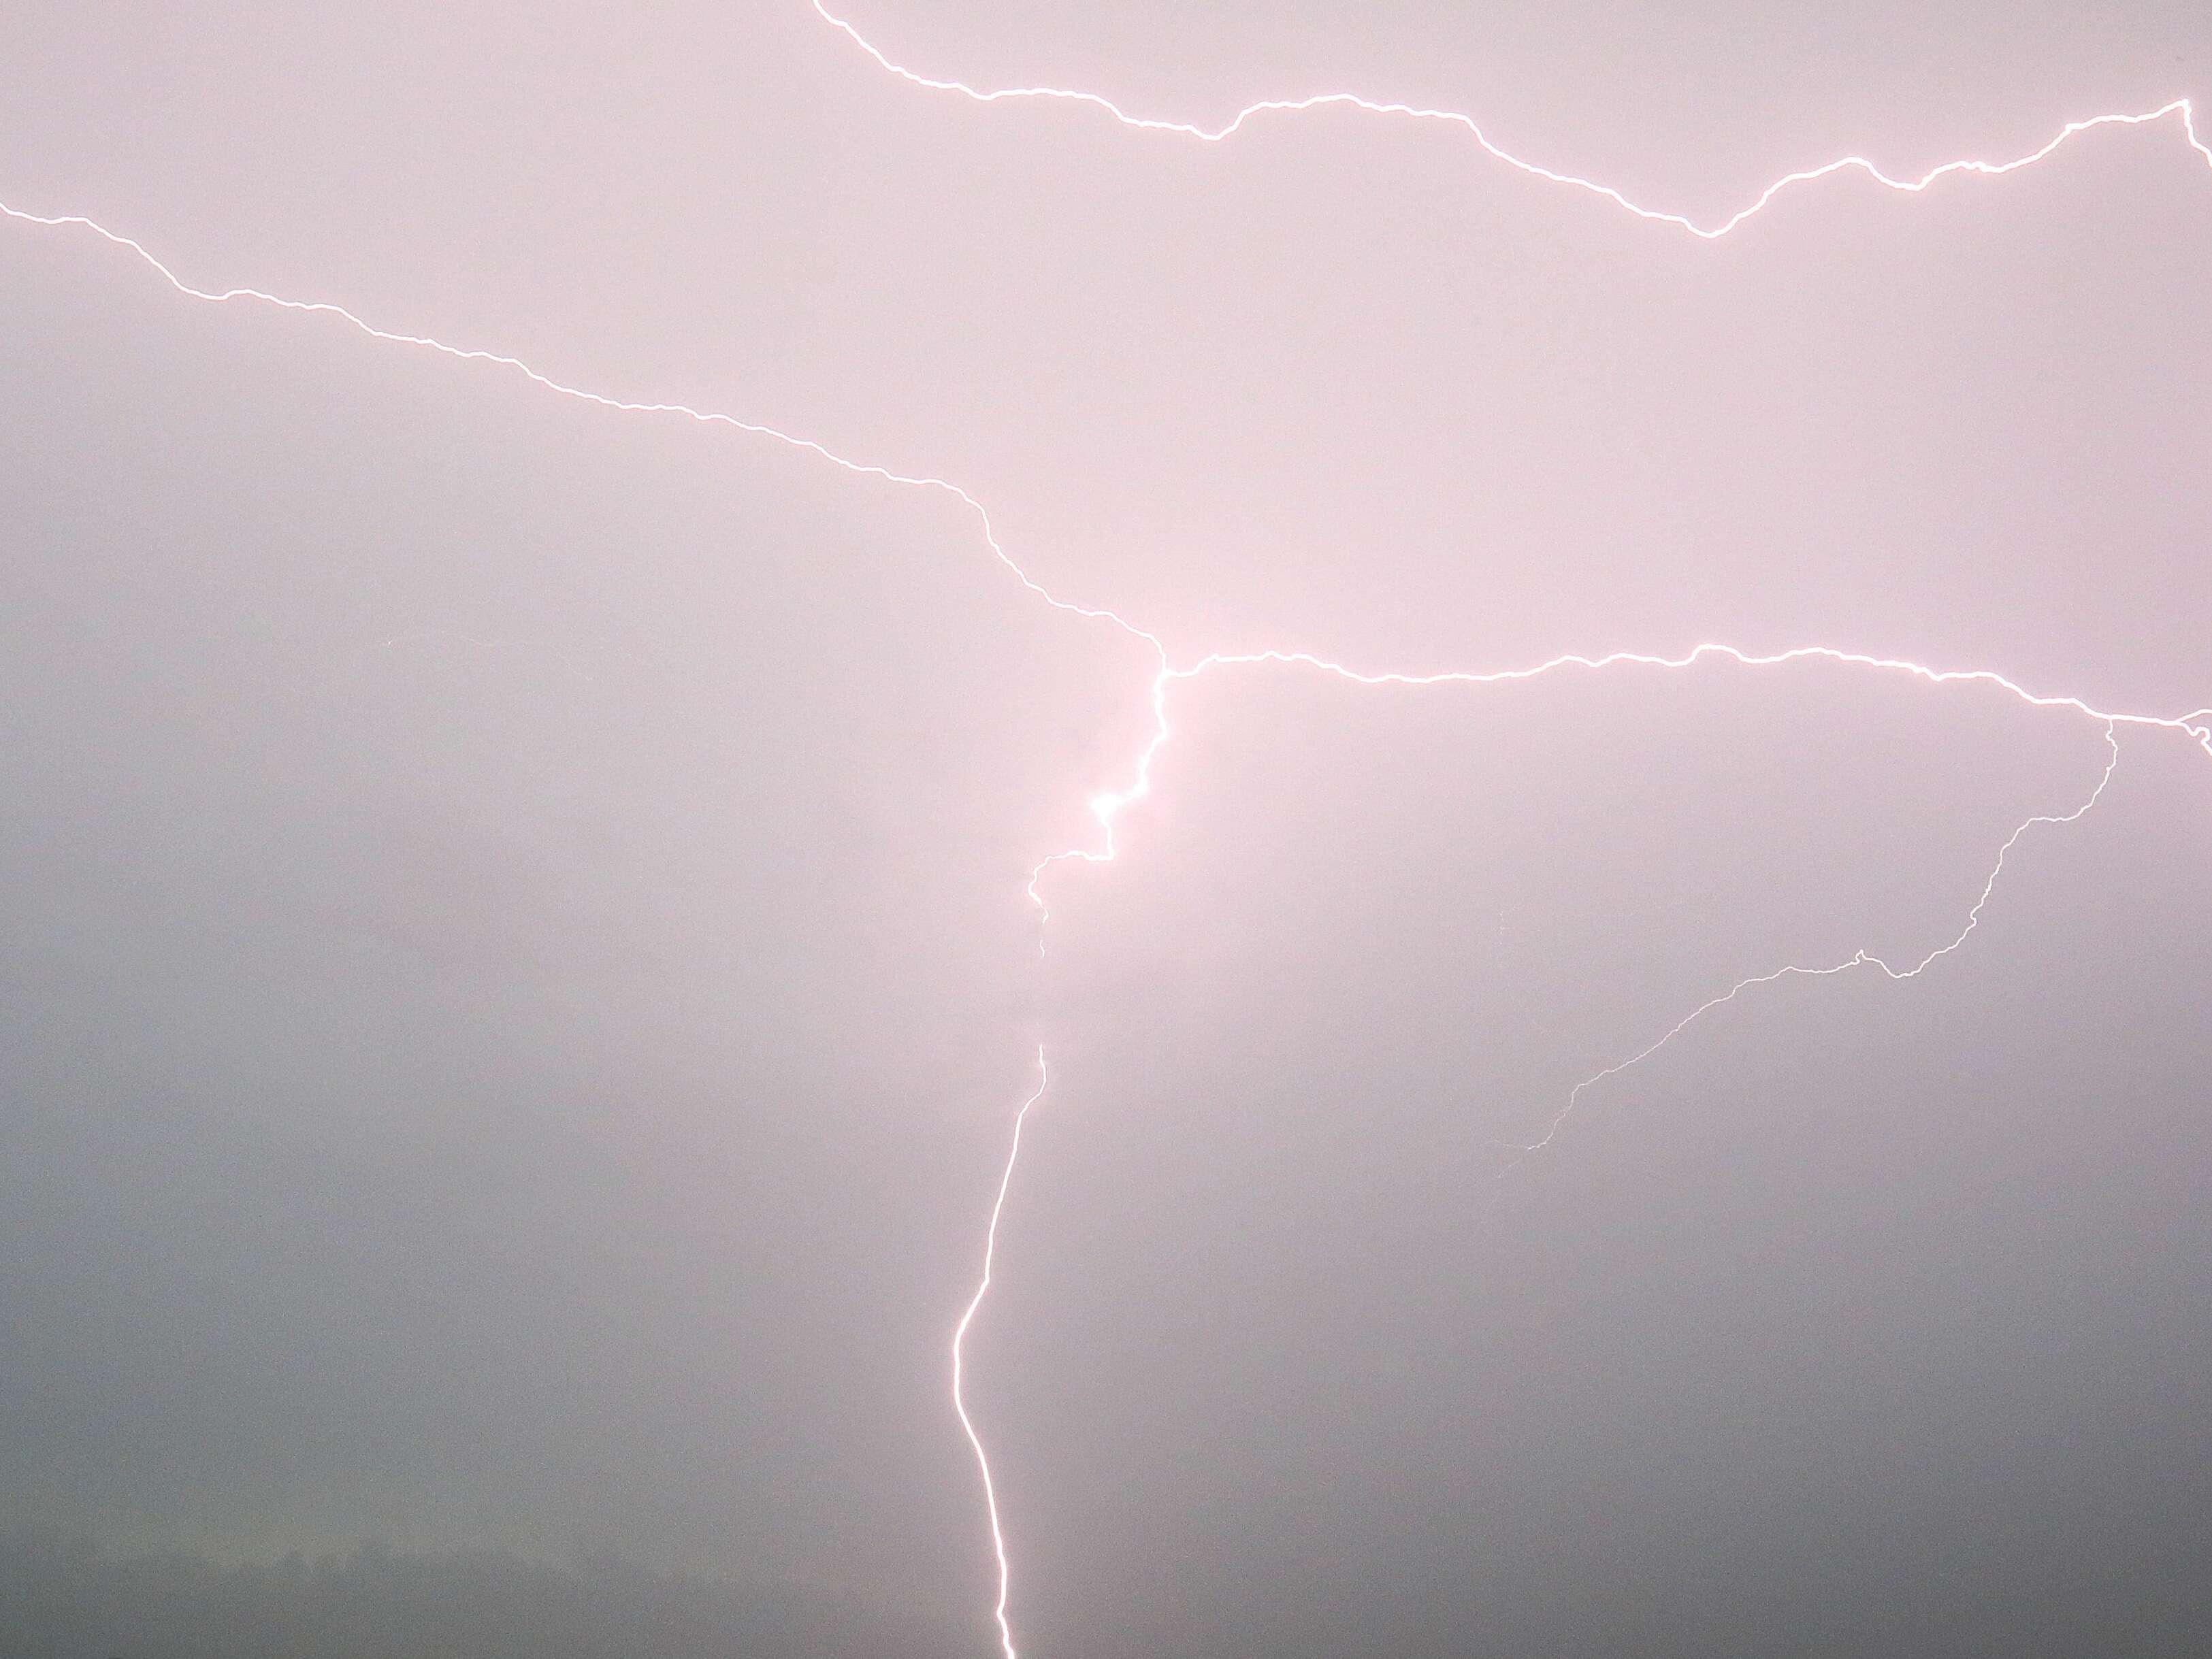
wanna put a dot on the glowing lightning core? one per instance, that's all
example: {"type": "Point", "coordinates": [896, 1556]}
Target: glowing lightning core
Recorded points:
{"type": "Point", "coordinates": [1107, 807]}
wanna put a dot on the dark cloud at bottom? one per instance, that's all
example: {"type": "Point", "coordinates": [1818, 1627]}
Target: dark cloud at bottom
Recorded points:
{"type": "Point", "coordinates": [376, 1603]}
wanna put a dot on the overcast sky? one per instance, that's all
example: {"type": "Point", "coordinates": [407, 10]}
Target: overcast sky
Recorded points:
{"type": "Point", "coordinates": [517, 977]}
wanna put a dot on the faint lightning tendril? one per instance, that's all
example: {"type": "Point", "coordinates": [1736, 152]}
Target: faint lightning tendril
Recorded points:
{"type": "Point", "coordinates": [1860, 959]}
{"type": "Point", "coordinates": [1107, 807]}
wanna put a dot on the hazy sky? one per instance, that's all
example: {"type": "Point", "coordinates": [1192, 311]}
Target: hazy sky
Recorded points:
{"type": "Point", "coordinates": [517, 976]}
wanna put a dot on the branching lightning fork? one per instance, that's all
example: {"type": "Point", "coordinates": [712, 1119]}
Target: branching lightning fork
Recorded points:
{"type": "Point", "coordinates": [1108, 807]}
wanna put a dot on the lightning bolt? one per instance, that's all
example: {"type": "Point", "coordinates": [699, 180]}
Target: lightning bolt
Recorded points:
{"type": "Point", "coordinates": [1468, 125]}
{"type": "Point", "coordinates": [1107, 808]}
{"type": "Point", "coordinates": [959, 1375]}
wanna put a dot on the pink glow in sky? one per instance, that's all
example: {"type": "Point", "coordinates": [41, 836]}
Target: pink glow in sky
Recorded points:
{"type": "Point", "coordinates": [1327, 407]}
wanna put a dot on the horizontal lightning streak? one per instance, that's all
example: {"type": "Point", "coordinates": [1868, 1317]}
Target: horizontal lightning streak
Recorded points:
{"type": "Point", "coordinates": [1107, 808]}
{"type": "Point", "coordinates": [1236, 124]}
{"type": "Point", "coordinates": [2196, 724]}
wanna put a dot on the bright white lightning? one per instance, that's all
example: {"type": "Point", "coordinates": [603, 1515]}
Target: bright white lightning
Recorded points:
{"type": "Point", "coordinates": [959, 1374]}
{"type": "Point", "coordinates": [1229, 129]}
{"type": "Point", "coordinates": [1107, 806]}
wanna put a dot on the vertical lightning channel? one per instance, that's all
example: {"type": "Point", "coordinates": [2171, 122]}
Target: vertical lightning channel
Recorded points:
{"type": "Point", "coordinates": [959, 1362]}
